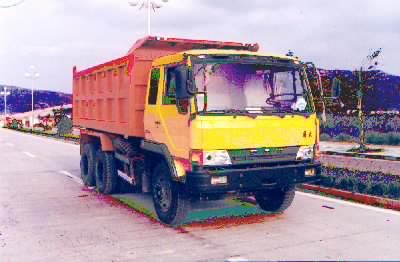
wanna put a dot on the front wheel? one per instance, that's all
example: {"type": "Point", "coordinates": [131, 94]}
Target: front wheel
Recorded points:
{"type": "Point", "coordinates": [276, 200]}
{"type": "Point", "coordinates": [170, 203]}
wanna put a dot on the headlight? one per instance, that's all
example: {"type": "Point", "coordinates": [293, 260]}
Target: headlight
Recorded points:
{"type": "Point", "coordinates": [305, 153]}
{"type": "Point", "coordinates": [216, 158]}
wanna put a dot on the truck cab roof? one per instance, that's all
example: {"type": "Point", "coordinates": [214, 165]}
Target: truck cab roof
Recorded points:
{"type": "Point", "coordinates": [178, 57]}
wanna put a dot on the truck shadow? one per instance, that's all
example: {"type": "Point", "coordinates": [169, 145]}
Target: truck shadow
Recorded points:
{"type": "Point", "coordinates": [204, 215]}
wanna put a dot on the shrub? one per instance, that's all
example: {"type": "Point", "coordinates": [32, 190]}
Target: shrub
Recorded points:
{"type": "Point", "coordinates": [345, 138]}
{"type": "Point", "coordinates": [72, 136]}
{"type": "Point", "coordinates": [351, 183]}
{"type": "Point", "coordinates": [364, 182]}
{"type": "Point", "coordinates": [392, 190]}
{"type": "Point", "coordinates": [49, 133]}
{"type": "Point", "coordinates": [325, 137]}
{"type": "Point", "coordinates": [375, 189]}
{"type": "Point", "coordinates": [380, 129]}
{"type": "Point", "coordinates": [393, 138]}
{"type": "Point", "coordinates": [327, 181]}
{"type": "Point", "coordinates": [390, 138]}
{"type": "Point", "coordinates": [359, 186]}
{"type": "Point", "coordinates": [64, 126]}
{"type": "Point", "coordinates": [342, 183]}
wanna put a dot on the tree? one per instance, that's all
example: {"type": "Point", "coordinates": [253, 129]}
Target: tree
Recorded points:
{"type": "Point", "coordinates": [64, 126]}
{"type": "Point", "coordinates": [366, 73]}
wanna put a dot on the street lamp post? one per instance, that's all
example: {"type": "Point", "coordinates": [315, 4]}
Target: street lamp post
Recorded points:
{"type": "Point", "coordinates": [32, 74]}
{"type": "Point", "coordinates": [10, 3]}
{"type": "Point", "coordinates": [5, 93]}
{"type": "Point", "coordinates": [149, 4]}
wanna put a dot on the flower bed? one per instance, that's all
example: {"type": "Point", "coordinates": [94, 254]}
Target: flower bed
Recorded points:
{"type": "Point", "coordinates": [364, 182]}
{"type": "Point", "coordinates": [68, 137]}
{"type": "Point", "coordinates": [380, 129]}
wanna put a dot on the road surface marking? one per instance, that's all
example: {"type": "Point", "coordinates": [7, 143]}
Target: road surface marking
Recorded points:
{"type": "Point", "coordinates": [30, 154]}
{"type": "Point", "coordinates": [74, 178]}
{"type": "Point", "coordinates": [9, 144]}
{"type": "Point", "coordinates": [376, 209]}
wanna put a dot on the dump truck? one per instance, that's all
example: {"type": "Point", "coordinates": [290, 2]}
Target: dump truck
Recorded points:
{"type": "Point", "coordinates": [195, 120]}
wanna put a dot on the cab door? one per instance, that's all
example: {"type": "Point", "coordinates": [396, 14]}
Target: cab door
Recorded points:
{"type": "Point", "coordinates": [174, 118]}
{"type": "Point", "coordinates": [152, 122]}
{"type": "Point", "coordinates": [164, 123]}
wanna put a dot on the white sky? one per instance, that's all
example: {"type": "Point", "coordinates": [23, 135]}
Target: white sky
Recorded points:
{"type": "Point", "coordinates": [55, 35]}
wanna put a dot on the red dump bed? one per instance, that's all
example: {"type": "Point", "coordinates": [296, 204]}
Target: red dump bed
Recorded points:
{"type": "Point", "coordinates": [111, 97]}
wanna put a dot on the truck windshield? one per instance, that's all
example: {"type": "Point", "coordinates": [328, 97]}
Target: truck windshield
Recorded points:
{"type": "Point", "coordinates": [251, 88]}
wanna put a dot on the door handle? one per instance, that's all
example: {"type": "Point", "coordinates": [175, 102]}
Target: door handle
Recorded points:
{"type": "Point", "coordinates": [157, 122]}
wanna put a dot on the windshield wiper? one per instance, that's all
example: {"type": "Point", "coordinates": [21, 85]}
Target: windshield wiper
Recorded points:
{"type": "Point", "coordinates": [233, 112]}
{"type": "Point", "coordinates": [281, 111]}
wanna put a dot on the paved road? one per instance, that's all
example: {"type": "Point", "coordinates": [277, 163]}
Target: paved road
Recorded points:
{"type": "Point", "coordinates": [47, 216]}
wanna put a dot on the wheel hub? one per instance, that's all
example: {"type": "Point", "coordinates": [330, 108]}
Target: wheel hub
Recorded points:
{"type": "Point", "coordinates": [163, 195]}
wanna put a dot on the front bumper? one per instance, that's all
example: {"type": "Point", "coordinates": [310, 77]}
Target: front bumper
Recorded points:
{"type": "Point", "coordinates": [250, 179]}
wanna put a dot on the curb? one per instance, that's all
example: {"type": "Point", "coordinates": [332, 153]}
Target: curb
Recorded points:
{"type": "Point", "coordinates": [361, 155]}
{"type": "Point", "coordinates": [361, 198]}
{"type": "Point", "coordinates": [62, 139]}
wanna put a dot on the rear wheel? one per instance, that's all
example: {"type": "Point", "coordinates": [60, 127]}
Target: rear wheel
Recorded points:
{"type": "Point", "coordinates": [170, 203]}
{"type": "Point", "coordinates": [106, 173]}
{"type": "Point", "coordinates": [276, 200]}
{"type": "Point", "coordinates": [88, 164]}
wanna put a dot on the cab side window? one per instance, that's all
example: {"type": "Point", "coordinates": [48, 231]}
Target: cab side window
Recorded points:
{"type": "Point", "coordinates": [169, 97]}
{"type": "Point", "coordinates": [154, 81]}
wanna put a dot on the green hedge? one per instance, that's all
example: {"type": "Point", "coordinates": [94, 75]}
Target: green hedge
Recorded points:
{"type": "Point", "coordinates": [371, 137]}
{"type": "Point", "coordinates": [390, 138]}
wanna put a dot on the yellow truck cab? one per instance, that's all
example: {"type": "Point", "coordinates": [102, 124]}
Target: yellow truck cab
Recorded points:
{"type": "Point", "coordinates": [216, 121]}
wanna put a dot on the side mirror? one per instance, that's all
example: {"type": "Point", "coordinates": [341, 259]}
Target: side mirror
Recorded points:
{"type": "Point", "coordinates": [184, 85]}
{"type": "Point", "coordinates": [314, 74]}
{"type": "Point", "coordinates": [189, 82]}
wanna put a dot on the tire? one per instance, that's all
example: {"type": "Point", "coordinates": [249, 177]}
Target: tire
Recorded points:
{"type": "Point", "coordinates": [276, 200]}
{"type": "Point", "coordinates": [170, 203]}
{"type": "Point", "coordinates": [88, 164]}
{"type": "Point", "coordinates": [106, 173]}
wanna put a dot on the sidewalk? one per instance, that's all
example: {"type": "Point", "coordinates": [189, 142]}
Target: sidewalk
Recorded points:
{"type": "Point", "coordinates": [343, 147]}
{"type": "Point", "coordinates": [335, 154]}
